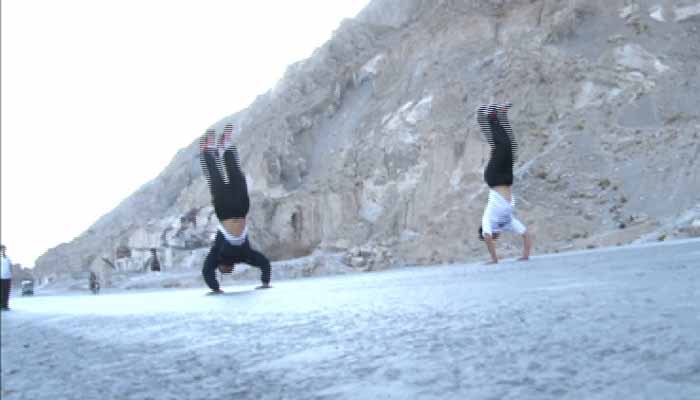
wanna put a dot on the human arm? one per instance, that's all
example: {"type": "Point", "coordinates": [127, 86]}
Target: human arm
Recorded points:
{"type": "Point", "coordinates": [487, 233]}
{"type": "Point", "coordinates": [519, 228]}
{"type": "Point", "coordinates": [527, 246]}
{"type": "Point", "coordinates": [491, 246]}
{"type": "Point", "coordinates": [212, 263]}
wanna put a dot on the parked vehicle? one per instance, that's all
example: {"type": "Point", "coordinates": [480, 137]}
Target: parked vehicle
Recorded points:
{"type": "Point", "coordinates": [27, 287]}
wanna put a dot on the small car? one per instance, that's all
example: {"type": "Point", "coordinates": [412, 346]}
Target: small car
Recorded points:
{"type": "Point", "coordinates": [27, 287]}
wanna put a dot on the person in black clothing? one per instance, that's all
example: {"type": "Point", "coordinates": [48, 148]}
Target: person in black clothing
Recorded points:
{"type": "Point", "coordinates": [93, 283]}
{"type": "Point", "coordinates": [229, 193]}
{"type": "Point", "coordinates": [5, 279]}
{"type": "Point", "coordinates": [153, 262]}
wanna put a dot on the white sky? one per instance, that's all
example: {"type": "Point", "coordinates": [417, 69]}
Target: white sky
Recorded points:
{"type": "Point", "coordinates": [98, 96]}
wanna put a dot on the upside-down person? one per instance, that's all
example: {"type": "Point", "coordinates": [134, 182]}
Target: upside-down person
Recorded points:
{"type": "Point", "coordinates": [229, 194]}
{"type": "Point", "coordinates": [499, 212]}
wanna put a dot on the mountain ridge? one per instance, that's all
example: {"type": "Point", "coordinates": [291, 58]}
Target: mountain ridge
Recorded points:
{"type": "Point", "coordinates": [370, 148]}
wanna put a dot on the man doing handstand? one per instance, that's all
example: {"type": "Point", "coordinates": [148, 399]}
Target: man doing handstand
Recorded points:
{"type": "Point", "coordinates": [229, 194]}
{"type": "Point", "coordinates": [498, 214]}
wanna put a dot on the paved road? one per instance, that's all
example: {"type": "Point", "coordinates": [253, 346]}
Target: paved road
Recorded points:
{"type": "Point", "coordinates": [618, 323]}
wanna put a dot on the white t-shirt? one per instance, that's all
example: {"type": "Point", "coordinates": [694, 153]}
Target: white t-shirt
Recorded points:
{"type": "Point", "coordinates": [498, 216]}
{"type": "Point", "coordinates": [6, 268]}
{"type": "Point", "coordinates": [233, 239]}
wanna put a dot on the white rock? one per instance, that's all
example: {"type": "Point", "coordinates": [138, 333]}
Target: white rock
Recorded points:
{"type": "Point", "coordinates": [342, 243]}
{"type": "Point", "coordinates": [412, 177]}
{"type": "Point", "coordinates": [420, 111]}
{"type": "Point", "coordinates": [636, 76]}
{"type": "Point", "coordinates": [394, 124]}
{"type": "Point", "coordinates": [587, 95]}
{"type": "Point", "coordinates": [629, 10]}
{"type": "Point", "coordinates": [660, 67]}
{"type": "Point", "coordinates": [634, 56]}
{"type": "Point", "coordinates": [455, 179]}
{"type": "Point", "coordinates": [408, 235]}
{"type": "Point", "coordinates": [370, 210]}
{"type": "Point", "coordinates": [357, 261]}
{"type": "Point", "coordinates": [657, 12]}
{"type": "Point", "coordinates": [386, 118]}
{"type": "Point", "coordinates": [685, 13]}
{"type": "Point", "coordinates": [406, 107]}
{"type": "Point", "coordinates": [370, 69]}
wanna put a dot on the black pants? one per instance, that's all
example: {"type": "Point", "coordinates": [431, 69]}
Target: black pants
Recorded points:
{"type": "Point", "coordinates": [229, 192]}
{"type": "Point", "coordinates": [5, 292]}
{"type": "Point", "coordinates": [499, 170]}
{"type": "Point", "coordinates": [235, 254]}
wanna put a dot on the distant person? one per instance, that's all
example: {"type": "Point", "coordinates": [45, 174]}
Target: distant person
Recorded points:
{"type": "Point", "coordinates": [94, 283]}
{"type": "Point", "coordinates": [229, 193]}
{"type": "Point", "coordinates": [499, 212]}
{"type": "Point", "coordinates": [153, 263]}
{"type": "Point", "coordinates": [6, 279]}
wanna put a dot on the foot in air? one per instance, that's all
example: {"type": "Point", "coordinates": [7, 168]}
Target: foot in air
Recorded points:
{"type": "Point", "coordinates": [226, 139]}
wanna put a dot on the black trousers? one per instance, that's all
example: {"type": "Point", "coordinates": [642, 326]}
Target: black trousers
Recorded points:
{"type": "Point", "coordinates": [499, 170]}
{"type": "Point", "coordinates": [227, 184]}
{"type": "Point", "coordinates": [5, 292]}
{"type": "Point", "coordinates": [234, 254]}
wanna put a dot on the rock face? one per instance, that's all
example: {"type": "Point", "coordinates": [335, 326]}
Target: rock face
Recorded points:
{"type": "Point", "coordinates": [370, 149]}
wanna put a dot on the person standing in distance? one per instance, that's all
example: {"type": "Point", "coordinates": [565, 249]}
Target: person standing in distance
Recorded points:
{"type": "Point", "coordinates": [6, 279]}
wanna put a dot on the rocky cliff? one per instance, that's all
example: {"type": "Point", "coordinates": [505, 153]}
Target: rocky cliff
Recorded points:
{"type": "Point", "coordinates": [369, 148]}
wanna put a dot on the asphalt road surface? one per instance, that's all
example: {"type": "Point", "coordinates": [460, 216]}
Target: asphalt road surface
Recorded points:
{"type": "Point", "coordinates": [620, 323]}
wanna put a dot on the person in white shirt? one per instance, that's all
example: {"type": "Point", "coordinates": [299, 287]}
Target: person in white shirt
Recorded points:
{"type": "Point", "coordinates": [6, 275]}
{"type": "Point", "coordinates": [499, 212]}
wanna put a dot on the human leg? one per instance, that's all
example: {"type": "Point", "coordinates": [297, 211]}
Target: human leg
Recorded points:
{"type": "Point", "coordinates": [229, 196]}
{"type": "Point", "coordinates": [236, 181]}
{"type": "Point", "coordinates": [210, 162]}
{"type": "Point", "coordinates": [5, 291]}
{"type": "Point", "coordinates": [499, 171]}
{"type": "Point", "coordinates": [493, 120]}
{"type": "Point", "coordinates": [527, 246]}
